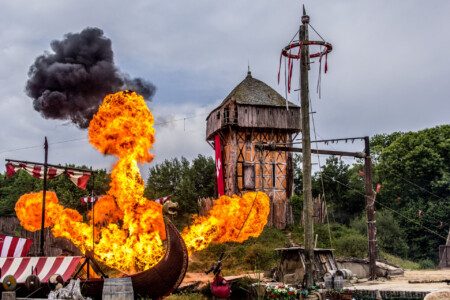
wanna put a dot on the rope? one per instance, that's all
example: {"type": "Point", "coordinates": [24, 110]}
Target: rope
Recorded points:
{"type": "Point", "coordinates": [418, 186]}
{"type": "Point", "coordinates": [85, 139]}
{"type": "Point", "coordinates": [321, 172]}
{"type": "Point", "coordinates": [316, 32]}
{"type": "Point", "coordinates": [387, 207]}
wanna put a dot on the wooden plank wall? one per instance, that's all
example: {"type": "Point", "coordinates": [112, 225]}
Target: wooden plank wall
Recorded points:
{"type": "Point", "coordinates": [268, 117]}
{"type": "Point", "coordinates": [246, 116]}
{"type": "Point", "coordinates": [239, 154]}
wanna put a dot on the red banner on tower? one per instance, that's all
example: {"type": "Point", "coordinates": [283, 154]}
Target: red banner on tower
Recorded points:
{"type": "Point", "coordinates": [219, 166]}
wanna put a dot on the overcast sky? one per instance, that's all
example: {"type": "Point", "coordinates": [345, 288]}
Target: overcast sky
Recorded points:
{"type": "Point", "coordinates": [389, 70]}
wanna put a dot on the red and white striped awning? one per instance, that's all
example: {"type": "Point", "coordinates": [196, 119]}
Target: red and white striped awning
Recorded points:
{"type": "Point", "coordinates": [43, 267]}
{"type": "Point", "coordinates": [77, 177]}
{"type": "Point", "coordinates": [11, 246]}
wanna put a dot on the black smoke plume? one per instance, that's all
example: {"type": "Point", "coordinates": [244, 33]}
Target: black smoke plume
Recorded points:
{"type": "Point", "coordinates": [70, 83]}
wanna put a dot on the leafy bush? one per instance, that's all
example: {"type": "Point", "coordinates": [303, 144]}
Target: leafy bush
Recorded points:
{"type": "Point", "coordinates": [351, 245]}
{"type": "Point", "coordinates": [427, 264]}
{"type": "Point", "coordinates": [259, 256]}
{"type": "Point", "coordinates": [297, 208]}
{"type": "Point", "coordinates": [390, 235]}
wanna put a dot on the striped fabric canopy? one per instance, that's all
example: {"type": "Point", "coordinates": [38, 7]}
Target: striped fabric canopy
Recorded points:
{"type": "Point", "coordinates": [11, 246]}
{"type": "Point", "coordinates": [79, 178]}
{"type": "Point", "coordinates": [43, 267]}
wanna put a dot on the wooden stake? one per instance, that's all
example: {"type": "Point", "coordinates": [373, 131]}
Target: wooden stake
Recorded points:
{"type": "Point", "coordinates": [306, 146]}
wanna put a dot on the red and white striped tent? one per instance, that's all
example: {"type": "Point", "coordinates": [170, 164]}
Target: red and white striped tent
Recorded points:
{"type": "Point", "coordinates": [43, 267]}
{"type": "Point", "coordinates": [11, 246]}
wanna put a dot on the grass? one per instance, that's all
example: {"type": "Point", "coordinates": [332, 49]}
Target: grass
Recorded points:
{"type": "Point", "coordinates": [255, 254]}
{"type": "Point", "coordinates": [258, 254]}
{"type": "Point", "coordinates": [402, 263]}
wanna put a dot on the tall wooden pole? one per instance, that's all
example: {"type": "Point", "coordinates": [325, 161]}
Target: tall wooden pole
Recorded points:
{"type": "Point", "coordinates": [44, 192]}
{"type": "Point", "coordinates": [370, 209]}
{"type": "Point", "coordinates": [306, 146]}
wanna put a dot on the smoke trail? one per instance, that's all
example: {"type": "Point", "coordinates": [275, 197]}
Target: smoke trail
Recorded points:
{"type": "Point", "coordinates": [70, 83]}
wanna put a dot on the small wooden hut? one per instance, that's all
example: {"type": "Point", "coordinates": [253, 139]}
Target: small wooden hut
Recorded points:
{"type": "Point", "coordinates": [255, 113]}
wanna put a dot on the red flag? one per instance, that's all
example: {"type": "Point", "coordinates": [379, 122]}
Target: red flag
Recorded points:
{"type": "Point", "coordinates": [10, 170]}
{"type": "Point", "coordinates": [378, 189]}
{"type": "Point", "coordinates": [219, 165]}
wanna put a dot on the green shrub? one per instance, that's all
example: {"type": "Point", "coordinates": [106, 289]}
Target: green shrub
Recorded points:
{"type": "Point", "coordinates": [260, 257]}
{"type": "Point", "coordinates": [351, 245]}
{"type": "Point", "coordinates": [390, 235]}
{"type": "Point", "coordinates": [427, 264]}
{"type": "Point", "coordinates": [297, 208]}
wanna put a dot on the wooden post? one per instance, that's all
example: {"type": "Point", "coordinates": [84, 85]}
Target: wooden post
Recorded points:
{"type": "Point", "coordinates": [370, 209]}
{"type": "Point", "coordinates": [306, 146]}
{"type": "Point", "coordinates": [41, 242]}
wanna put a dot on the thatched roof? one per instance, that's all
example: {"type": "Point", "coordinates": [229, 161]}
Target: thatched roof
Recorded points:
{"type": "Point", "coordinates": [252, 91]}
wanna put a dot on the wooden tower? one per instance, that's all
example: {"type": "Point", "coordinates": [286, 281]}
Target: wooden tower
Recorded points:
{"type": "Point", "coordinates": [255, 113]}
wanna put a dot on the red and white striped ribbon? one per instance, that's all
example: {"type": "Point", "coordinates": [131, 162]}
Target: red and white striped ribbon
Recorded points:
{"type": "Point", "coordinates": [163, 200]}
{"type": "Point", "coordinates": [89, 199]}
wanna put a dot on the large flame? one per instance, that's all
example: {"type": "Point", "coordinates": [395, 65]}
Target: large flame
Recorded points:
{"type": "Point", "coordinates": [231, 219]}
{"type": "Point", "coordinates": [129, 229]}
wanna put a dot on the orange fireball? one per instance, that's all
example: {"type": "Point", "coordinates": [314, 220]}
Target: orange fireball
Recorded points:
{"type": "Point", "coordinates": [231, 219]}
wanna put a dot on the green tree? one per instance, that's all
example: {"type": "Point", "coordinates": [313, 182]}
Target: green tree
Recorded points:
{"type": "Point", "coordinates": [185, 181]}
{"type": "Point", "coordinates": [343, 188]}
{"type": "Point", "coordinates": [414, 169]}
{"type": "Point", "coordinates": [11, 188]}
{"type": "Point", "coordinates": [390, 235]}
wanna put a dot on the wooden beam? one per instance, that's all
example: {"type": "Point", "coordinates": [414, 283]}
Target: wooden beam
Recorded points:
{"type": "Point", "coordinates": [315, 151]}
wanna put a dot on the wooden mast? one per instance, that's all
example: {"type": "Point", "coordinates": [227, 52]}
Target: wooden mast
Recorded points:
{"type": "Point", "coordinates": [306, 146]}
{"type": "Point", "coordinates": [41, 242]}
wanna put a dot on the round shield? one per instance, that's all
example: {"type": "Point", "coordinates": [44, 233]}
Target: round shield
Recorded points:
{"type": "Point", "coordinates": [54, 280]}
{"type": "Point", "coordinates": [32, 282]}
{"type": "Point", "coordinates": [9, 283]}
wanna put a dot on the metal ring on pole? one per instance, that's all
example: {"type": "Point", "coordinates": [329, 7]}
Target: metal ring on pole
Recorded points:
{"type": "Point", "coordinates": [286, 50]}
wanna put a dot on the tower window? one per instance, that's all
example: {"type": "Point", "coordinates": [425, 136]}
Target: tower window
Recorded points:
{"type": "Point", "coordinates": [249, 176]}
{"type": "Point", "coordinates": [274, 174]}
{"type": "Point", "coordinates": [218, 115]}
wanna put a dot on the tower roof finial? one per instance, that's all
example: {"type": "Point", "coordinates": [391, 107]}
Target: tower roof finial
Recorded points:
{"type": "Point", "coordinates": [249, 73]}
{"type": "Point", "coordinates": [305, 17]}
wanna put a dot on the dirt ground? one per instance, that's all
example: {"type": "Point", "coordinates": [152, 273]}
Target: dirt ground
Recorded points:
{"type": "Point", "coordinates": [204, 278]}
{"type": "Point", "coordinates": [401, 283]}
